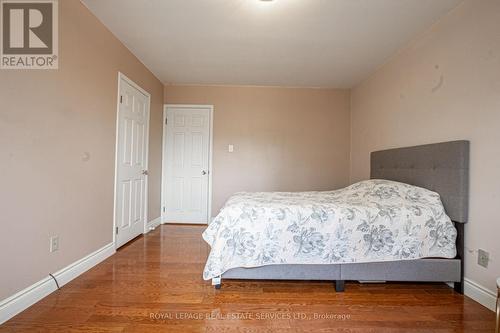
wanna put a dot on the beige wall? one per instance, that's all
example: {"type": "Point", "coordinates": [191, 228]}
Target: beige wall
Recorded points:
{"type": "Point", "coordinates": [48, 120]}
{"type": "Point", "coordinates": [443, 86]}
{"type": "Point", "coordinates": [284, 139]}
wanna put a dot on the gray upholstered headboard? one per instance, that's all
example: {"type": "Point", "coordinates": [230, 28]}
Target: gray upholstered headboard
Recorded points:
{"type": "Point", "coordinates": [440, 167]}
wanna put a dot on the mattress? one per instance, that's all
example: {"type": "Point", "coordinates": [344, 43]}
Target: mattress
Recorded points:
{"type": "Point", "coordinates": [370, 221]}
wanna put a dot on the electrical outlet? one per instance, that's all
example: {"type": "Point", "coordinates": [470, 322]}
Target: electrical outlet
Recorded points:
{"type": "Point", "coordinates": [482, 258]}
{"type": "Point", "coordinates": [54, 243]}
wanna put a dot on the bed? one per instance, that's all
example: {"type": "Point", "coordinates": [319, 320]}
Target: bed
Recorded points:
{"type": "Point", "coordinates": [405, 224]}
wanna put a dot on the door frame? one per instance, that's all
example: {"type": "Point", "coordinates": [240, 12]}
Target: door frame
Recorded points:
{"type": "Point", "coordinates": [123, 77]}
{"type": "Point", "coordinates": [210, 156]}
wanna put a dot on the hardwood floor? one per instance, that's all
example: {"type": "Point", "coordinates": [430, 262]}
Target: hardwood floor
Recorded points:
{"type": "Point", "coordinates": [154, 284]}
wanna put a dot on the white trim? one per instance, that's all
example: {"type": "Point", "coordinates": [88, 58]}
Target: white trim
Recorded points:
{"type": "Point", "coordinates": [163, 197]}
{"type": "Point", "coordinates": [136, 86]}
{"type": "Point", "coordinates": [210, 163]}
{"type": "Point", "coordinates": [153, 224]}
{"type": "Point", "coordinates": [20, 301]}
{"type": "Point", "coordinates": [480, 294]}
{"type": "Point", "coordinates": [210, 157]}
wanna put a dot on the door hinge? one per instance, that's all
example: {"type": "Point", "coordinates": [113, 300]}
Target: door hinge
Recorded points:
{"type": "Point", "coordinates": [164, 209]}
{"type": "Point", "coordinates": [166, 121]}
{"type": "Point", "coordinates": [121, 99]}
{"type": "Point", "coordinates": [116, 230]}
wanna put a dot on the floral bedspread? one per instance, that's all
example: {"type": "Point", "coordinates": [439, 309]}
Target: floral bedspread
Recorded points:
{"type": "Point", "coordinates": [373, 220]}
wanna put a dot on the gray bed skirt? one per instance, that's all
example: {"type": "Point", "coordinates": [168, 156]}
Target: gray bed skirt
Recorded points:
{"type": "Point", "coordinates": [422, 270]}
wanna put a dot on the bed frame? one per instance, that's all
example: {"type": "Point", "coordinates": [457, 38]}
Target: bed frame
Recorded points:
{"type": "Point", "coordinates": [441, 167]}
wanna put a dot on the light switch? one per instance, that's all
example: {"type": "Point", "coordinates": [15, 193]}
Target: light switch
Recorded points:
{"type": "Point", "coordinates": [230, 148]}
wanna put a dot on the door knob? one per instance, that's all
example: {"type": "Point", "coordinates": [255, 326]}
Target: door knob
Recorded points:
{"type": "Point", "coordinates": [145, 172]}
{"type": "Point", "coordinates": [203, 172]}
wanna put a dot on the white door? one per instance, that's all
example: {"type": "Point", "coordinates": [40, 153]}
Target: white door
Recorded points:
{"type": "Point", "coordinates": [187, 151]}
{"type": "Point", "coordinates": [131, 168]}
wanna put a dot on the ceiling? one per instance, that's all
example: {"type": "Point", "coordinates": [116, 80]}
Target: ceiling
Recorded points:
{"type": "Point", "coordinates": [301, 43]}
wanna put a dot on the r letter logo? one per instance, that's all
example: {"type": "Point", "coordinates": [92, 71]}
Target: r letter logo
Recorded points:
{"type": "Point", "coordinates": [29, 34]}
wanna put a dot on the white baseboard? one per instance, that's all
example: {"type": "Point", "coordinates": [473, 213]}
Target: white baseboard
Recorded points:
{"type": "Point", "coordinates": [151, 225]}
{"type": "Point", "coordinates": [164, 220]}
{"type": "Point", "coordinates": [13, 305]}
{"type": "Point", "coordinates": [480, 294]}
